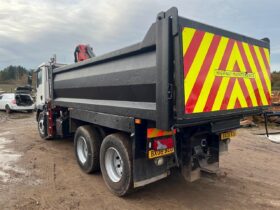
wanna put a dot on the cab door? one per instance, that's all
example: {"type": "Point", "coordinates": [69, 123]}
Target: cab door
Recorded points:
{"type": "Point", "coordinates": [40, 88]}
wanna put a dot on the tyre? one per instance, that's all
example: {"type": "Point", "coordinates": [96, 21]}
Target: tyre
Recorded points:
{"type": "Point", "coordinates": [8, 109]}
{"type": "Point", "coordinates": [116, 163]}
{"type": "Point", "coordinates": [42, 126]}
{"type": "Point", "coordinates": [87, 142]}
{"type": "Point", "coordinates": [29, 111]}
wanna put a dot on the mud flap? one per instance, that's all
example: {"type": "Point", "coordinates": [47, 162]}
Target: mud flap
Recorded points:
{"type": "Point", "coordinates": [146, 171]}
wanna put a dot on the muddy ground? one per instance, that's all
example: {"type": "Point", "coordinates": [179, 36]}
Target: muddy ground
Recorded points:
{"type": "Point", "coordinates": [38, 174]}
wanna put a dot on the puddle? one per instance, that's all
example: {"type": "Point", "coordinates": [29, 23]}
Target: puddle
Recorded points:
{"type": "Point", "coordinates": [8, 157]}
{"type": "Point", "coordinates": [3, 118]}
{"type": "Point", "coordinates": [5, 133]}
{"type": "Point", "coordinates": [9, 171]}
{"type": "Point", "coordinates": [275, 138]}
{"type": "Point", "coordinates": [20, 115]}
{"type": "Point", "coordinates": [15, 115]}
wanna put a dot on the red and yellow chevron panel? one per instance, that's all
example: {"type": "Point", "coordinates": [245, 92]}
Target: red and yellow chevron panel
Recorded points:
{"type": "Point", "coordinates": [221, 73]}
{"type": "Point", "coordinates": [154, 132]}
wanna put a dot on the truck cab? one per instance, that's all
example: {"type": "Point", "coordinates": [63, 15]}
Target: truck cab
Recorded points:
{"type": "Point", "coordinates": [43, 83]}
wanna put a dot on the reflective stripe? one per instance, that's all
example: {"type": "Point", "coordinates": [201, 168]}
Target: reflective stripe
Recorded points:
{"type": "Point", "coordinates": [154, 132]}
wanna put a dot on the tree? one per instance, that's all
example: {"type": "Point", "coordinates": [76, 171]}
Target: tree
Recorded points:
{"type": "Point", "coordinates": [13, 73]}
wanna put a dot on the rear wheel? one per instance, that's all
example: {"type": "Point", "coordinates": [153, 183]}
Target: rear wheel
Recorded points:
{"type": "Point", "coordinates": [116, 163]}
{"type": "Point", "coordinates": [87, 142]}
{"type": "Point", "coordinates": [8, 109]}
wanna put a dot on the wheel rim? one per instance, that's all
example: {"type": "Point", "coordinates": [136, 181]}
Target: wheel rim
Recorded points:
{"type": "Point", "coordinates": [82, 149]}
{"type": "Point", "coordinates": [41, 126]}
{"type": "Point", "coordinates": [113, 164]}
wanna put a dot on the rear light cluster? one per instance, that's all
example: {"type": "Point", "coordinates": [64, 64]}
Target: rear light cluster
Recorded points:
{"type": "Point", "coordinates": [14, 101]}
{"type": "Point", "coordinates": [159, 143]}
{"type": "Point", "coordinates": [163, 143]}
{"type": "Point", "coordinates": [159, 147]}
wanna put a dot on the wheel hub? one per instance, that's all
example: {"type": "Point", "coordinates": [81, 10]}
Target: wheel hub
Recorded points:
{"type": "Point", "coordinates": [41, 126]}
{"type": "Point", "coordinates": [113, 164]}
{"type": "Point", "coordinates": [82, 149]}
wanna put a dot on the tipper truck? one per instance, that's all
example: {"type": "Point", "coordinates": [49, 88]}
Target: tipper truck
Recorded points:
{"type": "Point", "coordinates": [173, 100]}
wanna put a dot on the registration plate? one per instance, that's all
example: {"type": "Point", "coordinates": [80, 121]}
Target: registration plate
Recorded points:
{"type": "Point", "coordinates": [159, 153]}
{"type": "Point", "coordinates": [228, 135]}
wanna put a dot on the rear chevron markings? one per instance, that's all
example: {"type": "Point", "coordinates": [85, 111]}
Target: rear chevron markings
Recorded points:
{"type": "Point", "coordinates": [244, 83]}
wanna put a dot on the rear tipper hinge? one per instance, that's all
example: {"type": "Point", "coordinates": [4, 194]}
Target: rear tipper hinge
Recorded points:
{"type": "Point", "coordinates": [170, 91]}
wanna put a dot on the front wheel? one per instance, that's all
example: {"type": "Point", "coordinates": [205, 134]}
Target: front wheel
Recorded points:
{"type": "Point", "coordinates": [116, 163]}
{"type": "Point", "coordinates": [42, 126]}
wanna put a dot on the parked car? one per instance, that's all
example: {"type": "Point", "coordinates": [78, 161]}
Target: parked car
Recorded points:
{"type": "Point", "coordinates": [16, 102]}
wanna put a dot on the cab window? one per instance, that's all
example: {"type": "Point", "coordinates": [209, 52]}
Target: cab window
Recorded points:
{"type": "Point", "coordinates": [39, 77]}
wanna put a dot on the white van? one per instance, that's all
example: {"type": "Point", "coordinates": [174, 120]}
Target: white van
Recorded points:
{"type": "Point", "coordinates": [16, 102]}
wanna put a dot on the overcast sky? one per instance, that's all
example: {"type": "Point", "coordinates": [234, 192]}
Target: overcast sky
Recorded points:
{"type": "Point", "coordinates": [31, 31]}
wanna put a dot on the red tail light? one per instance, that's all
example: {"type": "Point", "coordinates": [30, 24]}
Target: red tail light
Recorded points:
{"type": "Point", "coordinates": [164, 143]}
{"type": "Point", "coordinates": [14, 101]}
